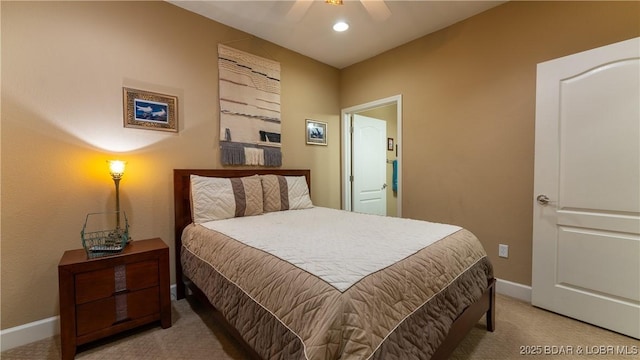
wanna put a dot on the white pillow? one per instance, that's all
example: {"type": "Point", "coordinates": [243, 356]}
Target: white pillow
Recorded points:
{"type": "Point", "coordinates": [223, 198]}
{"type": "Point", "coordinates": [298, 193]}
{"type": "Point", "coordinates": [285, 193]}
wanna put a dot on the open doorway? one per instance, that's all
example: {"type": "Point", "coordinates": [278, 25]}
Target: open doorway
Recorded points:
{"type": "Point", "coordinates": [389, 110]}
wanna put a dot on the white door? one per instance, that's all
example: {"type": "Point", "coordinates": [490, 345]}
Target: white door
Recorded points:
{"type": "Point", "coordinates": [369, 165]}
{"type": "Point", "coordinates": [586, 224]}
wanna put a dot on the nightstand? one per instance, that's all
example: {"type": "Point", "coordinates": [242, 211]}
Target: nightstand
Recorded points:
{"type": "Point", "coordinates": [104, 296]}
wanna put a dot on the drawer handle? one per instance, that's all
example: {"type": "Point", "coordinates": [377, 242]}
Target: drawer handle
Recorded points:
{"type": "Point", "coordinates": [121, 307]}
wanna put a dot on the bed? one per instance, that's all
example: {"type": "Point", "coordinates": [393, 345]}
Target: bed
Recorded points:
{"type": "Point", "coordinates": [296, 281]}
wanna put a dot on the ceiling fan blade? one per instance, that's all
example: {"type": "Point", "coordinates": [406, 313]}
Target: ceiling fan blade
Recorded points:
{"type": "Point", "coordinates": [298, 9]}
{"type": "Point", "coordinates": [377, 9]}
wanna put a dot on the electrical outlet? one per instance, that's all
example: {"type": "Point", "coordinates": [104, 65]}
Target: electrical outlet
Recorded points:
{"type": "Point", "coordinates": [503, 250]}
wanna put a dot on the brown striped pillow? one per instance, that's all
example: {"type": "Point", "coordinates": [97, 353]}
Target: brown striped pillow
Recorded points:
{"type": "Point", "coordinates": [223, 198]}
{"type": "Point", "coordinates": [285, 193]}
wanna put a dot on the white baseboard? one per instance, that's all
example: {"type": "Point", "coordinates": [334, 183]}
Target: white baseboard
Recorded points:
{"type": "Point", "coordinates": [514, 290]}
{"type": "Point", "coordinates": [45, 328]}
{"type": "Point", "coordinates": [38, 330]}
{"type": "Point", "coordinates": [28, 333]}
{"type": "Point", "coordinates": [173, 290]}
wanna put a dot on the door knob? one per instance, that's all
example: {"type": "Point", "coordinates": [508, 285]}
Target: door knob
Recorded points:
{"type": "Point", "coordinates": [384, 186]}
{"type": "Point", "coordinates": [542, 199]}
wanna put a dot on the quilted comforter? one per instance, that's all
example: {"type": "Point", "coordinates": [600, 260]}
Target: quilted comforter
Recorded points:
{"type": "Point", "coordinates": [323, 284]}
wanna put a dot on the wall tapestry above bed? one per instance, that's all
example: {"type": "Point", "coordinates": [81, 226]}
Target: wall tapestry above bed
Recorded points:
{"type": "Point", "coordinates": [249, 89]}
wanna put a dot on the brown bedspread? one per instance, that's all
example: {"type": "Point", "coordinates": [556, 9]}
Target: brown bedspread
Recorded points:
{"type": "Point", "coordinates": [401, 312]}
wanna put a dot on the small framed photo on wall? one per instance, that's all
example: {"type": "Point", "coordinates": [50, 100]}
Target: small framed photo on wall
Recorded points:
{"type": "Point", "coordinates": [149, 110]}
{"type": "Point", "coordinates": [316, 132]}
{"type": "Point", "coordinates": [390, 144]}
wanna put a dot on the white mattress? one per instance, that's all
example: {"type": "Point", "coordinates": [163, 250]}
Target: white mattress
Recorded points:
{"type": "Point", "coordinates": [337, 246]}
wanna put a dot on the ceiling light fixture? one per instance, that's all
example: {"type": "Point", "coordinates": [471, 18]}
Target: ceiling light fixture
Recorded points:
{"type": "Point", "coordinates": [333, 2]}
{"type": "Point", "coordinates": [340, 26]}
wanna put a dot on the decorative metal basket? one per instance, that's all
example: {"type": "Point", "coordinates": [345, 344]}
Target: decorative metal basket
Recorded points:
{"type": "Point", "coordinates": [103, 234]}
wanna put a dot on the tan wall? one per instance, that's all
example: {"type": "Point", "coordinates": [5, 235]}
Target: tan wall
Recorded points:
{"type": "Point", "coordinates": [469, 110]}
{"type": "Point", "coordinates": [63, 68]}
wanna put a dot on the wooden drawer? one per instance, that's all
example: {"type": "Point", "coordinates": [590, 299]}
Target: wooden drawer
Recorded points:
{"type": "Point", "coordinates": [107, 312]}
{"type": "Point", "coordinates": [104, 296]}
{"type": "Point", "coordinates": [102, 283]}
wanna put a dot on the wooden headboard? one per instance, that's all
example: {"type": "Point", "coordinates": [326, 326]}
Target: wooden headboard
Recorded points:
{"type": "Point", "coordinates": [182, 201]}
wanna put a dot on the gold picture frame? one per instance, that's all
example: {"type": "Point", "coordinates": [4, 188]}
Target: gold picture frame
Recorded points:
{"type": "Point", "coordinates": [150, 110]}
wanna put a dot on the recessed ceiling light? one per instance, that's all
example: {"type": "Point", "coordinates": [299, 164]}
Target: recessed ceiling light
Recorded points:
{"type": "Point", "coordinates": [340, 26]}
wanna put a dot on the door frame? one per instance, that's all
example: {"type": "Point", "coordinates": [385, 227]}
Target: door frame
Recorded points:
{"type": "Point", "coordinates": [346, 113]}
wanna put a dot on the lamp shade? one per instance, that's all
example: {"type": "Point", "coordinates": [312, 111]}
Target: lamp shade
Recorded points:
{"type": "Point", "coordinates": [116, 168]}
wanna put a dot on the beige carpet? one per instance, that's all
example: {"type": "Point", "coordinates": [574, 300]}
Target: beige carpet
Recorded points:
{"type": "Point", "coordinates": [194, 335]}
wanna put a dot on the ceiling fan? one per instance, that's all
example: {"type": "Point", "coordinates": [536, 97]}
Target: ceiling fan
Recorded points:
{"type": "Point", "coordinates": [376, 8]}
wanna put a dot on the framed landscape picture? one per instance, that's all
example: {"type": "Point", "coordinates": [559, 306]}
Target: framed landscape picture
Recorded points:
{"type": "Point", "coordinates": [316, 132]}
{"type": "Point", "coordinates": [149, 110]}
